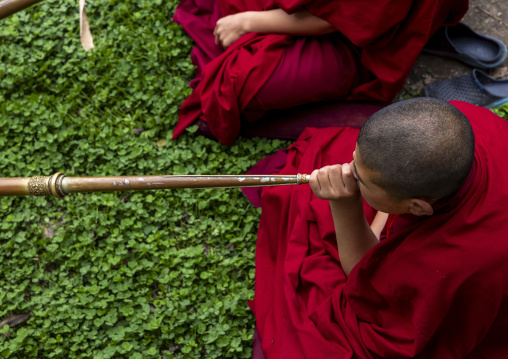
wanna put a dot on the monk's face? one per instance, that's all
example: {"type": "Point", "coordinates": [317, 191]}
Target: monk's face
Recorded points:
{"type": "Point", "coordinates": [376, 196]}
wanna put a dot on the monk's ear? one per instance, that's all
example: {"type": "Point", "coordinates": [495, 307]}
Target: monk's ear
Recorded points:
{"type": "Point", "coordinates": [420, 207]}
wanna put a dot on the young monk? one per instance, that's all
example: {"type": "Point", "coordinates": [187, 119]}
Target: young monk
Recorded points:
{"type": "Point", "coordinates": [257, 55]}
{"type": "Point", "coordinates": [435, 285]}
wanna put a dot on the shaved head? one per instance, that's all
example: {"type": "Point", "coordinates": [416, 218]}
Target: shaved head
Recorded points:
{"type": "Point", "coordinates": [422, 147]}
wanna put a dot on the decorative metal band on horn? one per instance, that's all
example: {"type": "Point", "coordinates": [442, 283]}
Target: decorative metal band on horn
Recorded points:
{"type": "Point", "coordinates": [302, 178]}
{"type": "Point", "coordinates": [47, 185]}
{"type": "Point", "coordinates": [38, 186]}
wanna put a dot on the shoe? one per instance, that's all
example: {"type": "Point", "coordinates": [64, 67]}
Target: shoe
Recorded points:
{"type": "Point", "coordinates": [464, 44]}
{"type": "Point", "coordinates": [477, 88]}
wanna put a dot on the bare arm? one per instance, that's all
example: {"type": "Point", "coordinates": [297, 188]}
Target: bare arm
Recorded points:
{"type": "Point", "coordinates": [230, 28]}
{"type": "Point", "coordinates": [379, 223]}
{"type": "Point", "coordinates": [354, 235]}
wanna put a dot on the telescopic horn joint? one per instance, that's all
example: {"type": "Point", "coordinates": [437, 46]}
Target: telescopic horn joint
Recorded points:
{"type": "Point", "coordinates": [302, 178]}
{"type": "Point", "coordinates": [47, 185]}
{"type": "Point", "coordinates": [55, 185]}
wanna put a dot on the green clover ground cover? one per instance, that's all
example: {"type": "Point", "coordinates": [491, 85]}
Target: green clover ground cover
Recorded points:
{"type": "Point", "coordinates": [117, 275]}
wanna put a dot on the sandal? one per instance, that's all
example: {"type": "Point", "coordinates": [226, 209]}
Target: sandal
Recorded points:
{"type": "Point", "coordinates": [464, 44]}
{"type": "Point", "coordinates": [477, 88]}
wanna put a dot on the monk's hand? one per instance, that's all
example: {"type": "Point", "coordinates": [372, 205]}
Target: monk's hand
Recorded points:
{"type": "Point", "coordinates": [230, 28]}
{"type": "Point", "coordinates": [335, 183]}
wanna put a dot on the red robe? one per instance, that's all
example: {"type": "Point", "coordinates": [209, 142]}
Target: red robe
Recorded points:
{"type": "Point", "coordinates": [388, 34]}
{"type": "Point", "coordinates": [436, 287]}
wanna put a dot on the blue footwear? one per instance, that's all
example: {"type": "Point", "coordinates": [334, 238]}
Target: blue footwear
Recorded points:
{"type": "Point", "coordinates": [464, 44]}
{"type": "Point", "coordinates": [477, 88]}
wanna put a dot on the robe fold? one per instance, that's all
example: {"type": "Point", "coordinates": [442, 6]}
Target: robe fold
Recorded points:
{"type": "Point", "coordinates": [434, 287]}
{"type": "Point", "coordinates": [386, 37]}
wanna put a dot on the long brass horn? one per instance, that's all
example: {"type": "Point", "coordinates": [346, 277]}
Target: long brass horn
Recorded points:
{"type": "Point", "coordinates": [59, 185]}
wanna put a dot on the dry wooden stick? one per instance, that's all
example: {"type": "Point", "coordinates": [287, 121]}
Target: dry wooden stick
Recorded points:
{"type": "Point", "coordinates": [493, 16]}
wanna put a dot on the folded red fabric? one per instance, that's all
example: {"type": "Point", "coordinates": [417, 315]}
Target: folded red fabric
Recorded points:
{"type": "Point", "coordinates": [388, 36]}
{"type": "Point", "coordinates": [436, 287]}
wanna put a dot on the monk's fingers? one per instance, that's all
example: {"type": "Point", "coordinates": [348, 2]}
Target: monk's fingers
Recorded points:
{"type": "Point", "coordinates": [221, 37]}
{"type": "Point", "coordinates": [324, 180]}
{"type": "Point", "coordinates": [342, 181]}
{"type": "Point", "coordinates": [334, 182]}
{"type": "Point", "coordinates": [314, 183]}
{"type": "Point", "coordinates": [228, 38]}
{"type": "Point", "coordinates": [227, 41]}
{"type": "Point", "coordinates": [218, 32]}
{"type": "Point", "coordinates": [223, 40]}
{"type": "Point", "coordinates": [335, 178]}
{"type": "Point", "coordinates": [349, 180]}
{"type": "Point", "coordinates": [229, 29]}
{"type": "Point", "coordinates": [326, 176]}
{"type": "Point", "coordinates": [216, 35]}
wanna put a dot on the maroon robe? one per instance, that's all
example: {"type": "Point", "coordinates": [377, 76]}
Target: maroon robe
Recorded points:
{"type": "Point", "coordinates": [385, 37]}
{"type": "Point", "coordinates": [435, 287]}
